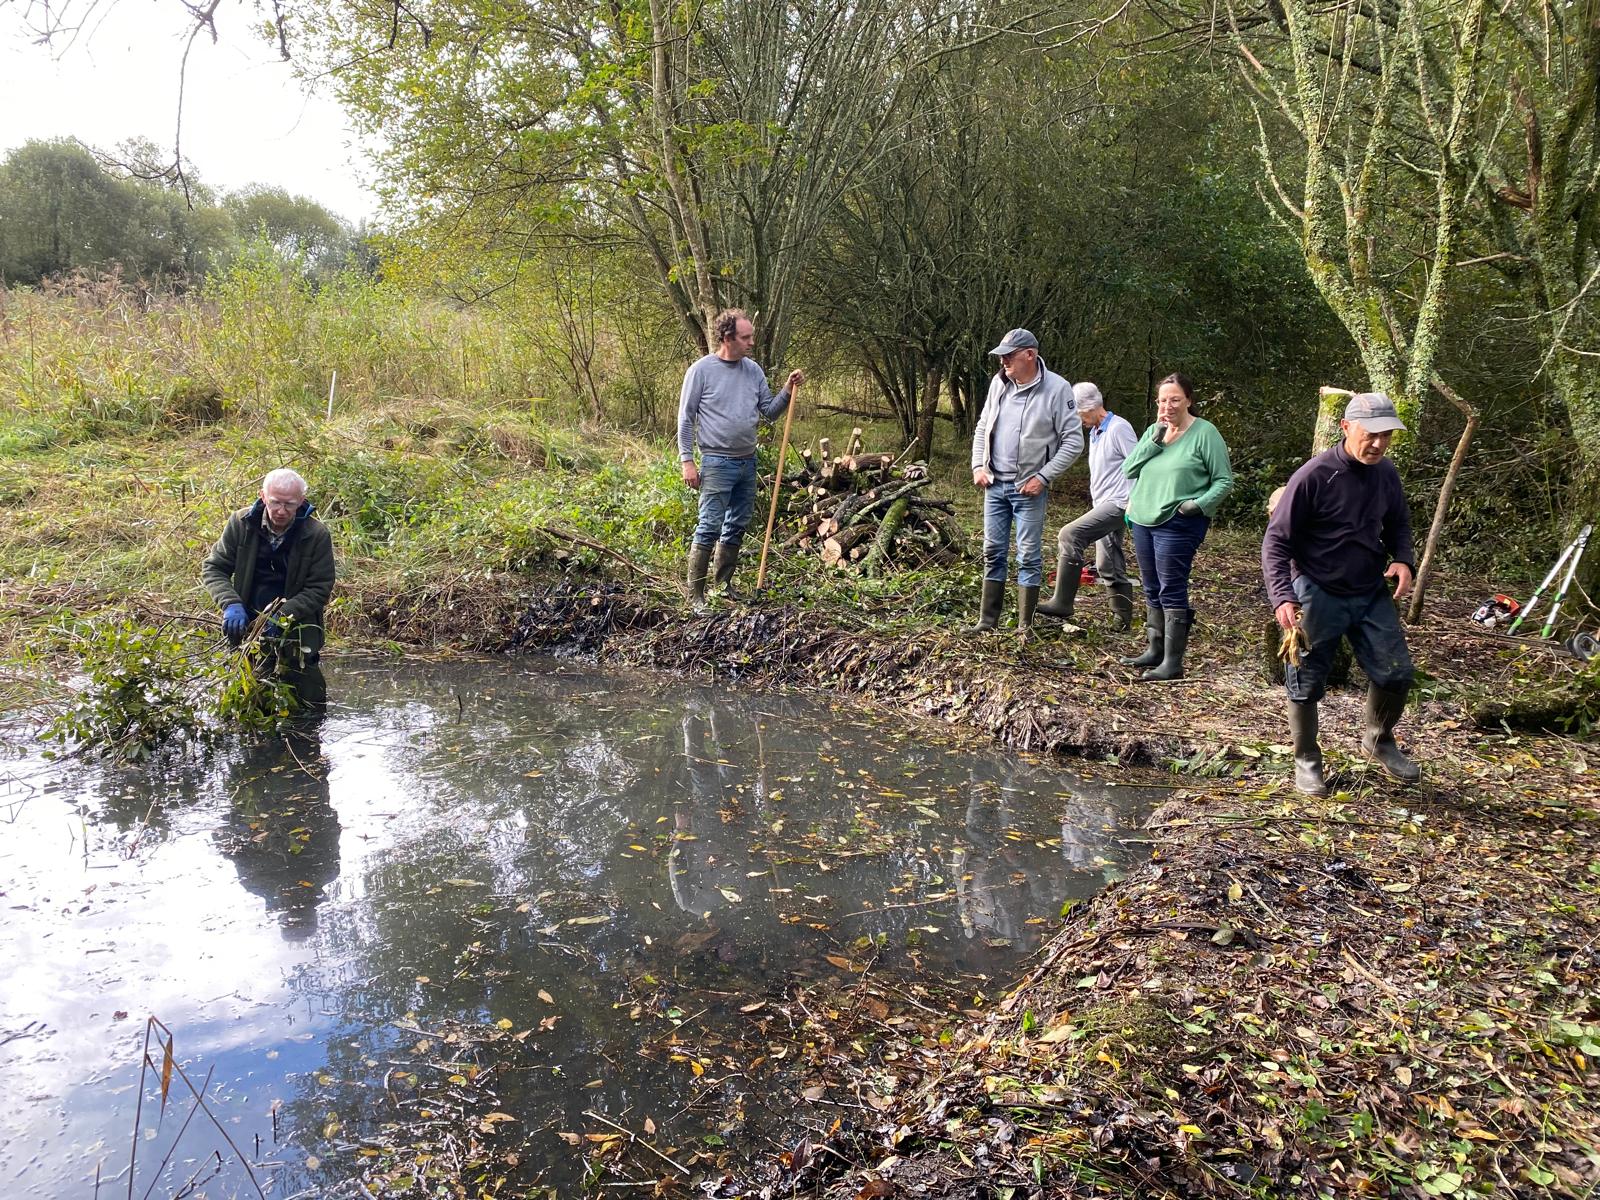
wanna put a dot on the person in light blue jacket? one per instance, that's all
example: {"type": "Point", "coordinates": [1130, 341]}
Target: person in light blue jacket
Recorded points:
{"type": "Point", "coordinates": [1027, 435]}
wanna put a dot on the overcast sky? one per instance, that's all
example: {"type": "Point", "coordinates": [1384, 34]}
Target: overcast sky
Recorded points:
{"type": "Point", "coordinates": [246, 118]}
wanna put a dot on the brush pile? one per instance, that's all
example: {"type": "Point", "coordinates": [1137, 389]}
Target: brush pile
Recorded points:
{"type": "Point", "coordinates": [867, 513]}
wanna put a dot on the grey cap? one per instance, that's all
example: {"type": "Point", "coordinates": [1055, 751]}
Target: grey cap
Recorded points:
{"type": "Point", "coordinates": [1087, 397]}
{"type": "Point", "coordinates": [1017, 339]}
{"type": "Point", "coordinates": [1374, 412]}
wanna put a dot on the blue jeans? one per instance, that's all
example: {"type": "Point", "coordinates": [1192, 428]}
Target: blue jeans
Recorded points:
{"type": "Point", "coordinates": [1005, 507]}
{"type": "Point", "coordinates": [1369, 621]}
{"type": "Point", "coordinates": [727, 497]}
{"type": "Point", "coordinates": [1166, 555]}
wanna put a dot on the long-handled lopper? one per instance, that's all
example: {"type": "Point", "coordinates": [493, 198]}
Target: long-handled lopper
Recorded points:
{"type": "Point", "coordinates": [1527, 609]}
{"type": "Point", "coordinates": [1572, 569]}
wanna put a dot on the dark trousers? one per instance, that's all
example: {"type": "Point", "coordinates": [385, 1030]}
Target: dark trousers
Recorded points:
{"type": "Point", "coordinates": [1368, 620]}
{"type": "Point", "coordinates": [1166, 555]}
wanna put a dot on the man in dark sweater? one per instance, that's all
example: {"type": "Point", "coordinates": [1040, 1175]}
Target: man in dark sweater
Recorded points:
{"type": "Point", "coordinates": [274, 550]}
{"type": "Point", "coordinates": [1339, 532]}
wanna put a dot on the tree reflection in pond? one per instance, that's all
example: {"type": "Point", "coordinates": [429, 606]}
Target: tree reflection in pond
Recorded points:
{"type": "Point", "coordinates": [572, 891]}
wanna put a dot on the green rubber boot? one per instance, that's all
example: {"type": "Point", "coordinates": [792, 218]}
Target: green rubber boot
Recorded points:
{"type": "Point", "coordinates": [1155, 635]}
{"type": "Point", "coordinates": [994, 594]}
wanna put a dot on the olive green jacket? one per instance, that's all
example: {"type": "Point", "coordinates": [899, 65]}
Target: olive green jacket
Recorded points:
{"type": "Point", "coordinates": [228, 572]}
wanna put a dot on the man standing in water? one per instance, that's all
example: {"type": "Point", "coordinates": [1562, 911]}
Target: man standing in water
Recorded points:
{"type": "Point", "coordinates": [274, 550]}
{"type": "Point", "coordinates": [725, 397]}
{"type": "Point", "coordinates": [1110, 439]}
{"type": "Point", "coordinates": [1340, 531]}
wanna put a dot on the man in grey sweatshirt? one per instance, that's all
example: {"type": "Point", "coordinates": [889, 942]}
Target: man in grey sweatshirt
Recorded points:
{"type": "Point", "coordinates": [725, 396]}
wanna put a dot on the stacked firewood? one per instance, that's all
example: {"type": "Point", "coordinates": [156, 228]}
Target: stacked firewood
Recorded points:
{"type": "Point", "coordinates": [867, 513]}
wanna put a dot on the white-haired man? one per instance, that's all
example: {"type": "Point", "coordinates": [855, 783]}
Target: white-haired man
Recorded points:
{"type": "Point", "coordinates": [274, 550]}
{"type": "Point", "coordinates": [1110, 440]}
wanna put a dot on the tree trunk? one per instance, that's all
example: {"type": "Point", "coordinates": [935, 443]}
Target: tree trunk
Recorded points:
{"type": "Point", "coordinates": [928, 411]}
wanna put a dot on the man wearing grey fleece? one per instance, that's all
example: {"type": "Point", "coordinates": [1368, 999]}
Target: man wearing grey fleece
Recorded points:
{"type": "Point", "coordinates": [1027, 435]}
{"type": "Point", "coordinates": [725, 396]}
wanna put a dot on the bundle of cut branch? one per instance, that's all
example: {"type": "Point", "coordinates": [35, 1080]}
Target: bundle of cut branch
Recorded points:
{"type": "Point", "coordinates": [867, 513]}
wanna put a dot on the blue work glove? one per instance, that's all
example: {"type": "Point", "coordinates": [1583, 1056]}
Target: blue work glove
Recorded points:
{"type": "Point", "coordinates": [1190, 509]}
{"type": "Point", "coordinates": [234, 620]}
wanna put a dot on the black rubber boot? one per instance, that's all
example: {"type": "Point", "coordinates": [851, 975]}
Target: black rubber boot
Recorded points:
{"type": "Point", "coordinates": [1155, 636]}
{"type": "Point", "coordinates": [1385, 707]}
{"type": "Point", "coordinates": [1122, 606]}
{"type": "Point", "coordinates": [1027, 603]}
{"type": "Point", "coordinates": [1308, 778]}
{"type": "Point", "coordinates": [723, 564]}
{"type": "Point", "coordinates": [1178, 621]}
{"type": "Point", "coordinates": [699, 559]}
{"type": "Point", "coordinates": [1068, 574]}
{"type": "Point", "coordinates": [994, 594]}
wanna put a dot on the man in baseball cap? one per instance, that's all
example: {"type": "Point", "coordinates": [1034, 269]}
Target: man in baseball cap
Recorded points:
{"type": "Point", "coordinates": [1340, 531]}
{"type": "Point", "coordinates": [1027, 434]}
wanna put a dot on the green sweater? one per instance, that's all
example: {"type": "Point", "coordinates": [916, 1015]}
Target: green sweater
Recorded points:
{"type": "Point", "coordinates": [1195, 467]}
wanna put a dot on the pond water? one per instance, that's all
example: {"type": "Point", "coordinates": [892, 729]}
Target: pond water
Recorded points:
{"type": "Point", "coordinates": [481, 904]}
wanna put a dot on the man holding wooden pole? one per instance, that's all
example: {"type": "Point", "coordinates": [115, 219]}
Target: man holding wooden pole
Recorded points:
{"type": "Point", "coordinates": [724, 399]}
{"type": "Point", "coordinates": [1339, 532]}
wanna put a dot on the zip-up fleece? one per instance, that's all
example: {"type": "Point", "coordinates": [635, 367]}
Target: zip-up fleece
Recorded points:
{"type": "Point", "coordinates": [228, 571]}
{"type": "Point", "coordinates": [1052, 434]}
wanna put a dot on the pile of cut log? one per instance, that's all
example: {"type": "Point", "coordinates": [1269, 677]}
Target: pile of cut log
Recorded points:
{"type": "Point", "coordinates": [867, 513]}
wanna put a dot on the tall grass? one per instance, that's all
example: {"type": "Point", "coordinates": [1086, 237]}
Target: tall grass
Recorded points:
{"type": "Point", "coordinates": [84, 357]}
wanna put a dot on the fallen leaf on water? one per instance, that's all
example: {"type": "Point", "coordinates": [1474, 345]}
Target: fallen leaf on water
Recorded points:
{"type": "Point", "coordinates": [546, 996]}
{"type": "Point", "coordinates": [457, 883]}
{"type": "Point", "coordinates": [601, 919]}
{"type": "Point", "coordinates": [649, 1126]}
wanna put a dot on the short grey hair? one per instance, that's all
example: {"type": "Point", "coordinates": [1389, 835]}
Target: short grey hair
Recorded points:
{"type": "Point", "coordinates": [284, 475]}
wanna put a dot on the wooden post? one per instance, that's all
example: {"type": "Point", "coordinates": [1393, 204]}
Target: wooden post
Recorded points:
{"type": "Point", "coordinates": [777, 486]}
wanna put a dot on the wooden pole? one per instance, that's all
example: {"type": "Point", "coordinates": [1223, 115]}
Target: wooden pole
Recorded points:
{"type": "Point", "coordinates": [1419, 585]}
{"type": "Point", "coordinates": [777, 487]}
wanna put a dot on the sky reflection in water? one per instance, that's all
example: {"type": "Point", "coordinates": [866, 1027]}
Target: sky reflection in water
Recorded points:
{"type": "Point", "coordinates": [453, 842]}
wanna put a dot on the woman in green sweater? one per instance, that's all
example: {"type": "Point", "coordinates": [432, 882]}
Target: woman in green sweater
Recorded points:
{"type": "Point", "coordinates": [1181, 473]}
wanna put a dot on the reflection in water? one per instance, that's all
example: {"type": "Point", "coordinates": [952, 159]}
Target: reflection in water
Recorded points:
{"type": "Point", "coordinates": [282, 833]}
{"type": "Point", "coordinates": [562, 884]}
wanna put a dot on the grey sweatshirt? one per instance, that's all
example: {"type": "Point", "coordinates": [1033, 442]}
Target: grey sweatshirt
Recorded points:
{"type": "Point", "coordinates": [720, 406]}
